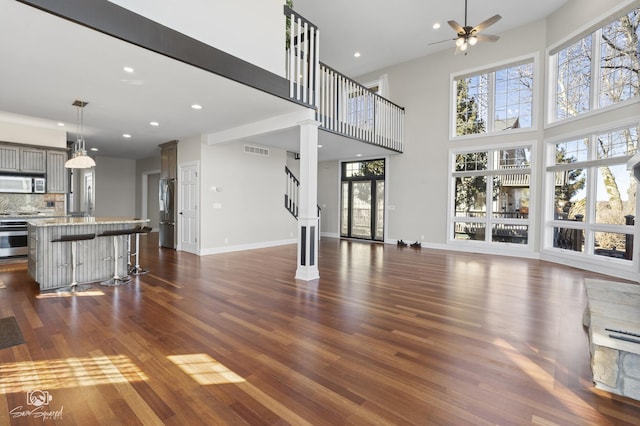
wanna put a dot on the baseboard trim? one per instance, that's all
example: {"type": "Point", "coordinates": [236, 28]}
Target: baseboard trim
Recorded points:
{"type": "Point", "coordinates": [250, 246]}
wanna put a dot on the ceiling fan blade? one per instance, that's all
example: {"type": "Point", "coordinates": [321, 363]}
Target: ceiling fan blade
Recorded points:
{"type": "Point", "coordinates": [457, 27]}
{"type": "Point", "coordinates": [487, 37]}
{"type": "Point", "coordinates": [484, 24]}
{"type": "Point", "coordinates": [441, 41]}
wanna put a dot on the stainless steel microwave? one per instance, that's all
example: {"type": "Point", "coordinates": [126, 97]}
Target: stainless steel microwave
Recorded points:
{"type": "Point", "coordinates": [22, 184]}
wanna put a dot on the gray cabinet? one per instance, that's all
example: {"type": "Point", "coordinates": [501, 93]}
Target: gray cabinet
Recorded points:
{"type": "Point", "coordinates": [33, 160]}
{"type": "Point", "coordinates": [56, 172]}
{"type": "Point", "coordinates": [9, 158]}
{"type": "Point", "coordinates": [15, 158]}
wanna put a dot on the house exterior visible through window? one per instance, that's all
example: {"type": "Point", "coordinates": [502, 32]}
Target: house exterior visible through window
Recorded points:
{"type": "Point", "coordinates": [594, 195]}
{"type": "Point", "coordinates": [494, 101]}
{"type": "Point", "coordinates": [492, 194]}
{"type": "Point", "coordinates": [598, 70]}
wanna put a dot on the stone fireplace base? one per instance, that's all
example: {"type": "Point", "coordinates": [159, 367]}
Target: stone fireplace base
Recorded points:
{"type": "Point", "coordinates": [612, 317]}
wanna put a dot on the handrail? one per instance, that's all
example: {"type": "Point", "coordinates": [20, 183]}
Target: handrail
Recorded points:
{"type": "Point", "coordinates": [322, 64]}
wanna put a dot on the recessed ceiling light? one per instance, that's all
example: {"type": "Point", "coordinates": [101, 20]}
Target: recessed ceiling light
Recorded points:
{"type": "Point", "coordinates": [128, 69]}
{"type": "Point", "coordinates": [196, 106]}
{"type": "Point", "coordinates": [61, 124]}
{"type": "Point", "coordinates": [356, 55]}
{"type": "Point", "coordinates": [436, 25]}
{"type": "Point", "coordinates": [154, 123]}
{"type": "Point", "coordinates": [319, 146]}
{"type": "Point", "coordinates": [358, 155]}
{"type": "Point", "coordinates": [93, 149]}
{"type": "Point", "coordinates": [126, 136]}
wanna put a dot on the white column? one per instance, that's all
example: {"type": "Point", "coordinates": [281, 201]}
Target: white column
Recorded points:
{"type": "Point", "coordinates": [308, 223]}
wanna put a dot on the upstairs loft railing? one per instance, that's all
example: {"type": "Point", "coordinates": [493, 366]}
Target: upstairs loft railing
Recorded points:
{"type": "Point", "coordinates": [343, 106]}
{"type": "Point", "coordinates": [302, 59]}
{"type": "Point", "coordinates": [351, 109]}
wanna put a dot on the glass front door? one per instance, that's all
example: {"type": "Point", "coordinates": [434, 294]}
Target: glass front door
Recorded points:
{"type": "Point", "coordinates": [363, 200]}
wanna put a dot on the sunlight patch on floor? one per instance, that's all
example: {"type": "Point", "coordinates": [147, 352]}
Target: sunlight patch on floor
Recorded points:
{"type": "Point", "coordinates": [205, 370]}
{"type": "Point", "coordinates": [65, 373]}
{"type": "Point", "coordinates": [88, 293]}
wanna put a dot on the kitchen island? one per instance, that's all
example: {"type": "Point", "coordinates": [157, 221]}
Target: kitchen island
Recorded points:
{"type": "Point", "coordinates": [49, 263]}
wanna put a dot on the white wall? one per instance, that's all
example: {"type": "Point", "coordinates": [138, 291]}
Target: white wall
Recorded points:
{"type": "Point", "coordinates": [328, 197]}
{"type": "Point", "coordinates": [31, 135]}
{"type": "Point", "coordinates": [115, 183]}
{"type": "Point", "coordinates": [251, 30]}
{"type": "Point", "coordinates": [242, 199]}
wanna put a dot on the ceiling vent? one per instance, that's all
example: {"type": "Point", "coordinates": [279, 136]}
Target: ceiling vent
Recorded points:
{"type": "Point", "coordinates": [257, 150]}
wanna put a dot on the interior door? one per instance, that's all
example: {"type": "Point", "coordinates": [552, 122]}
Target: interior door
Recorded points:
{"type": "Point", "coordinates": [188, 211]}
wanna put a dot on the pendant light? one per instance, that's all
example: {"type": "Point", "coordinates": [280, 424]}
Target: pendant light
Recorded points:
{"type": "Point", "coordinates": [79, 159]}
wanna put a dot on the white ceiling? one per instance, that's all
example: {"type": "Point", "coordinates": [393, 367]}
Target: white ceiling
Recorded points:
{"type": "Point", "coordinates": [47, 63]}
{"type": "Point", "coordinates": [391, 32]}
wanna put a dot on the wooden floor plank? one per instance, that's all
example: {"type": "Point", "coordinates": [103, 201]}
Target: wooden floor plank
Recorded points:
{"type": "Point", "coordinates": [386, 336]}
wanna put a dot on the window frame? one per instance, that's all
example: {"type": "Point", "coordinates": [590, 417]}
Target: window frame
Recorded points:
{"type": "Point", "coordinates": [595, 30]}
{"type": "Point", "coordinates": [533, 58]}
{"type": "Point", "coordinates": [489, 220]}
{"type": "Point", "coordinates": [589, 226]}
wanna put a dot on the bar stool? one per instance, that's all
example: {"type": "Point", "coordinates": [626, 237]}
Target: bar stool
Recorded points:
{"type": "Point", "coordinates": [116, 234]}
{"type": "Point", "coordinates": [135, 268]}
{"type": "Point", "coordinates": [73, 239]}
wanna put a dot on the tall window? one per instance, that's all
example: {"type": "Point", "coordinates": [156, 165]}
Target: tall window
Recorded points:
{"type": "Point", "coordinates": [598, 70]}
{"type": "Point", "coordinates": [594, 194]}
{"type": "Point", "coordinates": [492, 194]}
{"type": "Point", "coordinates": [494, 101]}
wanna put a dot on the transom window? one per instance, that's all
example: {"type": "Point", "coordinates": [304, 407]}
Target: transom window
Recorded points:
{"type": "Point", "coordinates": [598, 70]}
{"type": "Point", "coordinates": [495, 100]}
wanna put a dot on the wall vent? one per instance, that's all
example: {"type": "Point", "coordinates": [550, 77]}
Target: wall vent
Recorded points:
{"type": "Point", "coordinates": [257, 150]}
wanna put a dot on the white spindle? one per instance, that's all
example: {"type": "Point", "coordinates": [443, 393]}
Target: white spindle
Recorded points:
{"type": "Point", "coordinates": [304, 57]}
{"type": "Point", "coordinates": [291, 54]}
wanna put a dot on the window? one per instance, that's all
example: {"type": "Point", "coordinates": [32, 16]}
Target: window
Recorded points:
{"type": "Point", "coordinates": [494, 101]}
{"type": "Point", "coordinates": [594, 193]}
{"type": "Point", "coordinates": [491, 194]}
{"type": "Point", "coordinates": [598, 70]}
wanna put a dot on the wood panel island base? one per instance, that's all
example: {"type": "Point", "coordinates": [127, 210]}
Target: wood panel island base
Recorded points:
{"type": "Point", "coordinates": [49, 263]}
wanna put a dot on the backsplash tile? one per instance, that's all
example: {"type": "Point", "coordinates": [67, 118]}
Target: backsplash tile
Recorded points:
{"type": "Point", "coordinates": [17, 203]}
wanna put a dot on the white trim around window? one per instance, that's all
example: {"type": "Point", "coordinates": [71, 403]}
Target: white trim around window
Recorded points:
{"type": "Point", "coordinates": [534, 58]}
{"type": "Point", "coordinates": [494, 247]}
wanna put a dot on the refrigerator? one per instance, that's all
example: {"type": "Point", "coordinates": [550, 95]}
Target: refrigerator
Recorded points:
{"type": "Point", "coordinates": [167, 199]}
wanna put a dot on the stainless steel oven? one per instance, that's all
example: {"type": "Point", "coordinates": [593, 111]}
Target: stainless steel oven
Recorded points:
{"type": "Point", "coordinates": [13, 238]}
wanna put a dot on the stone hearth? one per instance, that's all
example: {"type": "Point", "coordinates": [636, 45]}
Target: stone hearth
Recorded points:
{"type": "Point", "coordinates": [613, 321]}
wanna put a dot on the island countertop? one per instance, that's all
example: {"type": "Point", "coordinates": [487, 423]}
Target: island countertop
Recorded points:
{"type": "Point", "coordinates": [68, 220]}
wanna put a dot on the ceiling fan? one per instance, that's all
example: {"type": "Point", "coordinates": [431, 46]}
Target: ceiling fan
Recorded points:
{"type": "Point", "coordinates": [467, 35]}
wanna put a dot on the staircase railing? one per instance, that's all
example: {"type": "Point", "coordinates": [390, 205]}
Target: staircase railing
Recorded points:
{"type": "Point", "coordinates": [292, 195]}
{"type": "Point", "coordinates": [292, 192]}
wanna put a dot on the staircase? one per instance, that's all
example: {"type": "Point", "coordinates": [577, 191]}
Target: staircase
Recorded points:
{"type": "Point", "coordinates": [292, 195]}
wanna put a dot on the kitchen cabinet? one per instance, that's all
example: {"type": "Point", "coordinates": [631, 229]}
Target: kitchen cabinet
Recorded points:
{"type": "Point", "coordinates": [169, 160]}
{"type": "Point", "coordinates": [56, 172]}
{"type": "Point", "coordinates": [33, 160]}
{"type": "Point", "coordinates": [9, 158]}
{"type": "Point", "coordinates": [22, 159]}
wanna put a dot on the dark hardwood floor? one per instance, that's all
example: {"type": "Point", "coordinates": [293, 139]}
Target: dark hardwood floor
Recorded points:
{"type": "Point", "coordinates": [386, 336]}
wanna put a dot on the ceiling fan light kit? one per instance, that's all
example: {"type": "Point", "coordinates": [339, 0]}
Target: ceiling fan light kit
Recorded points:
{"type": "Point", "coordinates": [468, 35]}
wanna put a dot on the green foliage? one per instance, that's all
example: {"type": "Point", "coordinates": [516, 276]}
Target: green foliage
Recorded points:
{"type": "Point", "coordinates": [467, 120]}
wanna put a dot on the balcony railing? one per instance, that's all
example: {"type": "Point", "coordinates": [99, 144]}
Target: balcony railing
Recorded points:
{"type": "Point", "coordinates": [350, 109]}
{"type": "Point", "coordinates": [343, 106]}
